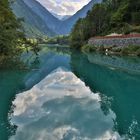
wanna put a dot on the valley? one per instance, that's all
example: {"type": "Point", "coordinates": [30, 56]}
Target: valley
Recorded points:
{"type": "Point", "coordinates": [37, 19]}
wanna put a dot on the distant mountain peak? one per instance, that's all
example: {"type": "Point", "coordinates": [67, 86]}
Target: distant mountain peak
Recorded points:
{"type": "Point", "coordinates": [61, 17]}
{"type": "Point", "coordinates": [68, 24]}
{"type": "Point", "coordinates": [49, 23]}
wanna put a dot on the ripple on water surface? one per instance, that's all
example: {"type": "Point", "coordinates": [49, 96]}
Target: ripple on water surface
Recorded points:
{"type": "Point", "coordinates": [61, 107]}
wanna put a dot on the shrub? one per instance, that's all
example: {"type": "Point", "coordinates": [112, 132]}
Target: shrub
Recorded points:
{"type": "Point", "coordinates": [88, 48]}
{"type": "Point", "coordinates": [101, 49]}
{"type": "Point", "coordinates": [131, 50]}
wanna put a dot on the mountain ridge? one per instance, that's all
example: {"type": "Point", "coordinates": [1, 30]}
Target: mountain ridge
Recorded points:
{"type": "Point", "coordinates": [68, 24]}
{"type": "Point", "coordinates": [61, 17]}
{"type": "Point", "coordinates": [33, 24]}
{"type": "Point", "coordinates": [44, 14]}
{"type": "Point", "coordinates": [38, 17]}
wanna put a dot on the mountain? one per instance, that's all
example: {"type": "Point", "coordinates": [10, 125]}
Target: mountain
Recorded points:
{"type": "Point", "coordinates": [51, 21]}
{"type": "Point", "coordinates": [61, 17]}
{"type": "Point", "coordinates": [38, 20]}
{"type": "Point", "coordinates": [66, 17]}
{"type": "Point", "coordinates": [67, 25]}
{"type": "Point", "coordinates": [33, 24]}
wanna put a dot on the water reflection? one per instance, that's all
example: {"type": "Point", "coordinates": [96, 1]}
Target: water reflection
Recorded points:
{"type": "Point", "coordinates": [61, 107]}
{"type": "Point", "coordinates": [121, 85]}
{"type": "Point", "coordinates": [119, 88]}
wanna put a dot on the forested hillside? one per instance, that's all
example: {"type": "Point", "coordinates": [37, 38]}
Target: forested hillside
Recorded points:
{"type": "Point", "coordinates": [120, 16]}
{"type": "Point", "coordinates": [37, 19]}
{"type": "Point", "coordinates": [33, 24]}
{"type": "Point", "coordinates": [10, 30]}
{"type": "Point", "coordinates": [68, 24]}
{"type": "Point", "coordinates": [45, 16]}
{"type": "Point", "coordinates": [12, 38]}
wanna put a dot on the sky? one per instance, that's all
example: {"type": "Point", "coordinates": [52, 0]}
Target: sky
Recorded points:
{"type": "Point", "coordinates": [63, 7]}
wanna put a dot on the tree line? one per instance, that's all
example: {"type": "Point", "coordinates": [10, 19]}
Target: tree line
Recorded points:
{"type": "Point", "coordinates": [120, 16]}
{"type": "Point", "coordinates": [12, 38]}
{"type": "Point", "coordinates": [10, 30]}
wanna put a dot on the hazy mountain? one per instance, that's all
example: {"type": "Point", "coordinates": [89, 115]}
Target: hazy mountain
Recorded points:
{"type": "Point", "coordinates": [67, 25]}
{"type": "Point", "coordinates": [61, 17]}
{"type": "Point", "coordinates": [38, 20]}
{"type": "Point", "coordinates": [33, 24]}
{"type": "Point", "coordinates": [66, 17]}
{"type": "Point", "coordinates": [51, 21]}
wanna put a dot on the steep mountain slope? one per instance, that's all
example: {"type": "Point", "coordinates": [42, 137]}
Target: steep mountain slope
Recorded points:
{"type": "Point", "coordinates": [67, 25]}
{"type": "Point", "coordinates": [61, 17]}
{"type": "Point", "coordinates": [65, 17]}
{"type": "Point", "coordinates": [38, 20]}
{"type": "Point", "coordinates": [51, 21]}
{"type": "Point", "coordinates": [34, 25]}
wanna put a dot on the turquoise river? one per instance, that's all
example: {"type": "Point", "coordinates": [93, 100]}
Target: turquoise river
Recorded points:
{"type": "Point", "coordinates": [69, 95]}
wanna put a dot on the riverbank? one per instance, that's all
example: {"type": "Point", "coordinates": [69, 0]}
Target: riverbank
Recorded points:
{"type": "Point", "coordinates": [26, 59]}
{"type": "Point", "coordinates": [116, 40]}
{"type": "Point", "coordinates": [13, 59]}
{"type": "Point", "coordinates": [11, 62]}
{"type": "Point", "coordinates": [118, 45]}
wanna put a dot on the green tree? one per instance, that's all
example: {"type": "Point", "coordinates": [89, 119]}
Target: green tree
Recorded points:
{"type": "Point", "coordinates": [10, 30]}
{"type": "Point", "coordinates": [120, 16]}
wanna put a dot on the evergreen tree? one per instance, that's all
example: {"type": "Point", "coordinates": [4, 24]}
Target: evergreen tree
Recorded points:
{"type": "Point", "coordinates": [121, 16]}
{"type": "Point", "coordinates": [10, 30]}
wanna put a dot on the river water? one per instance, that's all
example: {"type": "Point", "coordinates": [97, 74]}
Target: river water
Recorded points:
{"type": "Point", "coordinates": [68, 95]}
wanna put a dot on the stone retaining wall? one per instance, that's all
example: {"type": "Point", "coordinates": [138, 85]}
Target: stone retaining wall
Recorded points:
{"type": "Point", "coordinates": [116, 41]}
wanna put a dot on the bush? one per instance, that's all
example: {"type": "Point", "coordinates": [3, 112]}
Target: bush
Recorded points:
{"type": "Point", "coordinates": [88, 48]}
{"type": "Point", "coordinates": [136, 18]}
{"type": "Point", "coordinates": [131, 50]}
{"type": "Point", "coordinates": [138, 52]}
{"type": "Point", "coordinates": [101, 49]}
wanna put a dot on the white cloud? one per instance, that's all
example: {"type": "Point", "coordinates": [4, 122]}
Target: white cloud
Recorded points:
{"type": "Point", "coordinates": [63, 7]}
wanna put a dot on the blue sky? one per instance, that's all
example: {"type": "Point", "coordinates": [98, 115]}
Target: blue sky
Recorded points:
{"type": "Point", "coordinates": [64, 7]}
